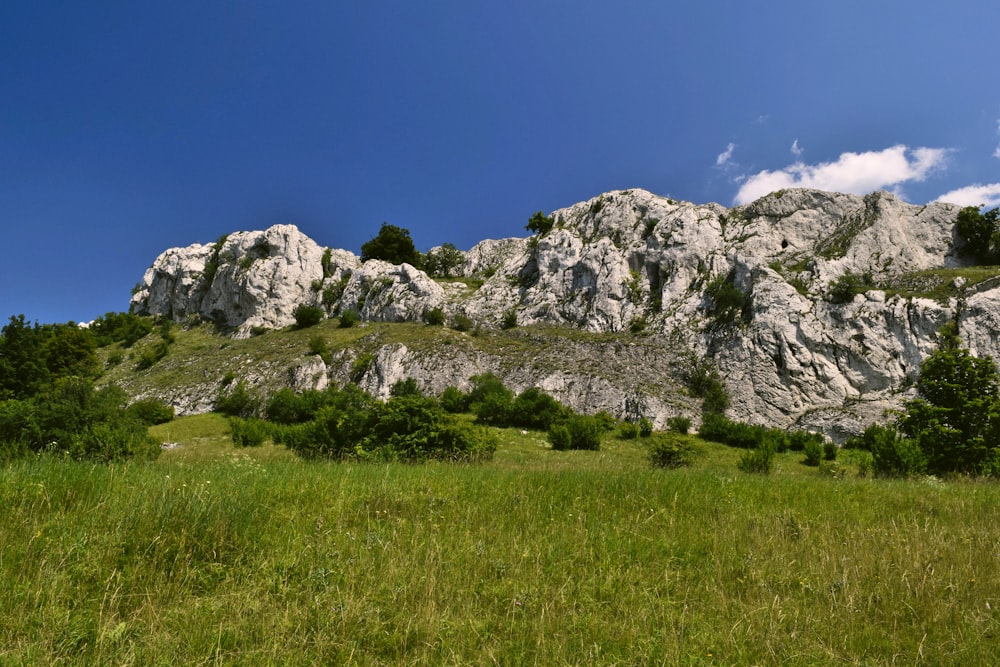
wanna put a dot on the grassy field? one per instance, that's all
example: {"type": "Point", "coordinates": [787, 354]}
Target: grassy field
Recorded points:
{"type": "Point", "coordinates": [213, 555]}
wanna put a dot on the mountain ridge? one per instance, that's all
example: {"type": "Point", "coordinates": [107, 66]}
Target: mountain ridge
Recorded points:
{"type": "Point", "coordinates": [791, 296]}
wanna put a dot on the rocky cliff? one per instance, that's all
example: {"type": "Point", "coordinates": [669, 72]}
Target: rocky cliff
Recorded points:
{"type": "Point", "coordinates": [815, 306]}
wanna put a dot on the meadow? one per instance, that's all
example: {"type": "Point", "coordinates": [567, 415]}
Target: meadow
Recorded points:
{"type": "Point", "coordinates": [217, 555]}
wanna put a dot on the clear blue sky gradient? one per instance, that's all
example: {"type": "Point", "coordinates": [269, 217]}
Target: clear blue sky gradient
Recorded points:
{"type": "Point", "coordinates": [127, 127]}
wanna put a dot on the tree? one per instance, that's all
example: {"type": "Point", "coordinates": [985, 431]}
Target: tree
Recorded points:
{"type": "Point", "coordinates": [956, 417]}
{"type": "Point", "coordinates": [392, 244]}
{"type": "Point", "coordinates": [23, 372]}
{"type": "Point", "coordinates": [443, 261]}
{"type": "Point", "coordinates": [539, 223]}
{"type": "Point", "coordinates": [980, 234]}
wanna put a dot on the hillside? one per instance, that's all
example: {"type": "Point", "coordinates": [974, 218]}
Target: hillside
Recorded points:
{"type": "Point", "coordinates": [817, 308]}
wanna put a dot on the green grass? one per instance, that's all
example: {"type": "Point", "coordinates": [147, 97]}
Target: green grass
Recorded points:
{"type": "Point", "coordinates": [213, 555]}
{"type": "Point", "coordinates": [937, 283]}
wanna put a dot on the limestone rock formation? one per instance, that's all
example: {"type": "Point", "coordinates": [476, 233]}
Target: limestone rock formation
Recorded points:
{"type": "Point", "coordinates": [796, 297]}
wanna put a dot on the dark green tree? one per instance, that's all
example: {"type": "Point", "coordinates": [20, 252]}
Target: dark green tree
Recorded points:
{"type": "Point", "coordinates": [443, 261]}
{"type": "Point", "coordinates": [392, 244]}
{"type": "Point", "coordinates": [956, 417]}
{"type": "Point", "coordinates": [23, 372]}
{"type": "Point", "coordinates": [539, 223]}
{"type": "Point", "coordinates": [980, 234]}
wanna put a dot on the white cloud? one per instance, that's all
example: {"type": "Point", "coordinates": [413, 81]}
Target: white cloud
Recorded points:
{"type": "Point", "coordinates": [725, 156]}
{"type": "Point", "coordinates": [858, 173]}
{"type": "Point", "coordinates": [974, 195]}
{"type": "Point", "coordinates": [796, 149]}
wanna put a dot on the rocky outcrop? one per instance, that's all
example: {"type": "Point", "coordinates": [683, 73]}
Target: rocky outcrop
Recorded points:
{"type": "Point", "coordinates": [752, 287]}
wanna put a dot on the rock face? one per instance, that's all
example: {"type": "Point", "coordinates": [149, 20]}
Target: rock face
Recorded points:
{"type": "Point", "coordinates": [792, 347]}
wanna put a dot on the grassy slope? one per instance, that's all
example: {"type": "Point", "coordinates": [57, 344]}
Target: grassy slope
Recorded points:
{"type": "Point", "coordinates": [218, 555]}
{"type": "Point", "coordinates": [199, 360]}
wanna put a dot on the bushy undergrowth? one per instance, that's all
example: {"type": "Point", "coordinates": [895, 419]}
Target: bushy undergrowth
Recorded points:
{"type": "Point", "coordinates": [350, 424]}
{"type": "Point", "coordinates": [670, 450]}
{"type": "Point", "coordinates": [718, 428]}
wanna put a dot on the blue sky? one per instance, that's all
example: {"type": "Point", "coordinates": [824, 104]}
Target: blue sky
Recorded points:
{"type": "Point", "coordinates": [130, 127]}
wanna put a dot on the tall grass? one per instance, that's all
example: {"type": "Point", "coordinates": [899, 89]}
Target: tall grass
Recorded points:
{"type": "Point", "coordinates": [539, 557]}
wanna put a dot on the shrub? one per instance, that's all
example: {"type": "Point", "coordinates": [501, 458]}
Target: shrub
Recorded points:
{"type": "Point", "coordinates": [307, 316]}
{"type": "Point", "coordinates": [584, 432]}
{"type": "Point", "coordinates": [893, 455]}
{"type": "Point", "coordinates": [628, 431]}
{"type": "Point", "coordinates": [151, 411]}
{"type": "Point", "coordinates": [509, 320]}
{"type": "Point", "coordinates": [236, 401]}
{"type": "Point", "coordinates": [413, 428]}
{"type": "Point", "coordinates": [462, 323]}
{"type": "Point", "coordinates": [704, 381]}
{"type": "Point", "coordinates": [349, 318]}
{"type": "Point", "coordinates": [248, 432]}
{"type": "Point", "coordinates": [814, 453]}
{"type": "Point", "coordinates": [727, 300]}
{"type": "Point", "coordinates": [113, 440]}
{"type": "Point", "coordinates": [434, 316]}
{"type": "Point", "coordinates": [535, 409]}
{"type": "Point", "coordinates": [319, 347]}
{"type": "Point", "coordinates": [669, 451]}
{"type": "Point", "coordinates": [759, 460]}
{"type": "Point", "coordinates": [454, 400]}
{"type": "Point", "coordinates": [844, 288]}
{"type": "Point", "coordinates": [679, 424]}
{"type": "Point", "coordinates": [829, 451]}
{"type": "Point", "coordinates": [645, 427]}
{"type": "Point", "coordinates": [407, 387]}
{"type": "Point", "coordinates": [559, 437]}
{"type": "Point", "coordinates": [152, 354]}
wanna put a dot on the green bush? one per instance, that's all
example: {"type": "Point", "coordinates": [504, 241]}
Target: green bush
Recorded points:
{"type": "Point", "coordinates": [645, 427]}
{"type": "Point", "coordinates": [814, 452]}
{"type": "Point", "coordinates": [349, 318]}
{"type": "Point", "coordinates": [679, 424]}
{"type": "Point", "coordinates": [759, 460]}
{"type": "Point", "coordinates": [454, 400]}
{"type": "Point", "coordinates": [462, 323]}
{"type": "Point", "coordinates": [113, 440]}
{"type": "Point", "coordinates": [585, 432]}
{"type": "Point", "coordinates": [236, 401]}
{"type": "Point", "coordinates": [152, 354]}
{"type": "Point", "coordinates": [893, 455]}
{"type": "Point", "coordinates": [668, 450]}
{"type": "Point", "coordinates": [628, 431]}
{"type": "Point", "coordinates": [535, 409]}
{"type": "Point", "coordinates": [307, 316]}
{"type": "Point", "coordinates": [151, 411]}
{"type": "Point", "coordinates": [406, 387]}
{"type": "Point", "coordinates": [829, 451]}
{"type": "Point", "coordinates": [509, 320]}
{"type": "Point", "coordinates": [248, 432]}
{"type": "Point", "coordinates": [435, 316]}
{"type": "Point", "coordinates": [319, 347]}
{"type": "Point", "coordinates": [847, 286]}
{"type": "Point", "coordinates": [559, 437]}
